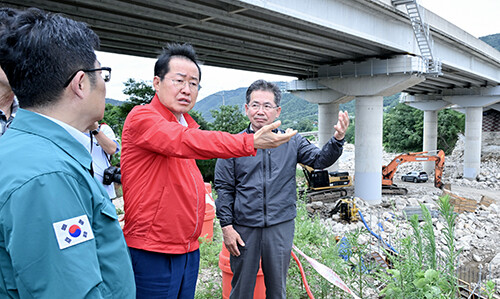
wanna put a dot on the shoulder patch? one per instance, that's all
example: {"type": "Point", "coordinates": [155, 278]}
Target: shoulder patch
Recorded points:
{"type": "Point", "coordinates": [73, 231]}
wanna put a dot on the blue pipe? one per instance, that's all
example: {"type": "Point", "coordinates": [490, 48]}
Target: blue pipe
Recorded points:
{"type": "Point", "coordinates": [374, 234]}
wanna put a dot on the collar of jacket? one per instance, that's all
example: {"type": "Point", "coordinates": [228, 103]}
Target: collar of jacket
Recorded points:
{"type": "Point", "coordinates": [168, 115]}
{"type": "Point", "coordinates": [250, 131]}
{"type": "Point", "coordinates": [32, 123]}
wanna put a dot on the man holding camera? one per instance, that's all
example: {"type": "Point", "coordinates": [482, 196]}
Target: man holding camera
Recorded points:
{"type": "Point", "coordinates": [104, 144]}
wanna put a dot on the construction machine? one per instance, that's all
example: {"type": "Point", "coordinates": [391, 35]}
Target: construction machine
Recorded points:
{"type": "Point", "coordinates": [346, 208]}
{"type": "Point", "coordinates": [325, 186]}
{"type": "Point", "coordinates": [388, 171]}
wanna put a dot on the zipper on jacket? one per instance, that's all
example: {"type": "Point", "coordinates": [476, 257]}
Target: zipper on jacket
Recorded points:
{"type": "Point", "coordinates": [264, 186]}
{"type": "Point", "coordinates": [268, 165]}
{"type": "Point", "coordinates": [197, 204]}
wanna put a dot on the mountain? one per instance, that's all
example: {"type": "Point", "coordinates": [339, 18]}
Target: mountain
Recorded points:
{"type": "Point", "coordinates": [214, 101]}
{"type": "Point", "coordinates": [492, 40]}
{"type": "Point", "coordinates": [113, 102]}
{"type": "Point", "coordinates": [294, 109]}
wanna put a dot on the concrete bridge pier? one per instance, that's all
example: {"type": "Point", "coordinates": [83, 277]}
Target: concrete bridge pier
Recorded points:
{"type": "Point", "coordinates": [369, 92]}
{"type": "Point", "coordinates": [472, 151]}
{"type": "Point", "coordinates": [473, 101]}
{"type": "Point", "coordinates": [430, 106]}
{"type": "Point", "coordinates": [328, 115]}
{"type": "Point", "coordinates": [430, 137]}
{"type": "Point", "coordinates": [368, 154]}
{"type": "Point", "coordinates": [328, 112]}
{"type": "Point", "coordinates": [368, 82]}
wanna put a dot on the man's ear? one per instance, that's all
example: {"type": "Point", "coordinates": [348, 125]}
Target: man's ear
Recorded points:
{"type": "Point", "coordinates": [78, 84]}
{"type": "Point", "coordinates": [156, 83]}
{"type": "Point", "coordinates": [278, 112]}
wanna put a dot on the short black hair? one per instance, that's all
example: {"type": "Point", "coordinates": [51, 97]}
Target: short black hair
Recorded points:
{"type": "Point", "coordinates": [39, 51]}
{"type": "Point", "coordinates": [265, 86]}
{"type": "Point", "coordinates": [174, 50]}
{"type": "Point", "coordinates": [6, 16]}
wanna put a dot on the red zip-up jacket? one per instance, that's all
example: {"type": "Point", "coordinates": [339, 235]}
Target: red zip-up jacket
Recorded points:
{"type": "Point", "coordinates": [163, 189]}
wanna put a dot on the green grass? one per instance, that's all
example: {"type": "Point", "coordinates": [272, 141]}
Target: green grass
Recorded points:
{"type": "Point", "coordinates": [416, 272]}
{"type": "Point", "coordinates": [209, 261]}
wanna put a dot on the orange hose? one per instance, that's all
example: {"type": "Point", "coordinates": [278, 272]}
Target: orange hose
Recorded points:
{"type": "Point", "coordinates": [308, 290]}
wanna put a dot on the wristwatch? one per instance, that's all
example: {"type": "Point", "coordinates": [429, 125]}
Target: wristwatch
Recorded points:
{"type": "Point", "coordinates": [95, 132]}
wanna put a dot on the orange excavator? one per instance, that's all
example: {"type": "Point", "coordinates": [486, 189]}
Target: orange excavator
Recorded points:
{"type": "Point", "coordinates": [388, 171]}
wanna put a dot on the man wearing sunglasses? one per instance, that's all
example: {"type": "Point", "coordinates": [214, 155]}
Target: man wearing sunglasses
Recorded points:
{"type": "Point", "coordinates": [59, 234]}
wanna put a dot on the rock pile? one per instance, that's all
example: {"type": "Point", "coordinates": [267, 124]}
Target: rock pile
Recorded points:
{"type": "Point", "coordinates": [477, 233]}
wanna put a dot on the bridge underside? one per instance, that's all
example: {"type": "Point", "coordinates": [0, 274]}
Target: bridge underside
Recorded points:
{"type": "Point", "coordinates": [241, 35]}
{"type": "Point", "coordinates": [339, 50]}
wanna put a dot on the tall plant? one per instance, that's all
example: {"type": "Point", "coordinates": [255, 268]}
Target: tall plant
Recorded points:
{"type": "Point", "coordinates": [416, 273]}
{"type": "Point", "coordinates": [452, 254]}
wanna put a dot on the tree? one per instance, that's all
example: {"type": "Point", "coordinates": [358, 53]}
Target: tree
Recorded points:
{"type": "Point", "coordinates": [304, 125]}
{"type": "Point", "coordinates": [450, 123]}
{"type": "Point", "coordinates": [139, 92]}
{"type": "Point", "coordinates": [349, 134]}
{"type": "Point", "coordinates": [229, 119]}
{"type": "Point", "coordinates": [198, 118]}
{"type": "Point", "coordinates": [112, 117]}
{"type": "Point", "coordinates": [403, 129]}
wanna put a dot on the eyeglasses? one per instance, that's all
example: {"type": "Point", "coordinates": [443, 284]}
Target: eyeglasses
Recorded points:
{"type": "Point", "coordinates": [265, 107]}
{"type": "Point", "coordinates": [105, 73]}
{"type": "Point", "coordinates": [180, 84]}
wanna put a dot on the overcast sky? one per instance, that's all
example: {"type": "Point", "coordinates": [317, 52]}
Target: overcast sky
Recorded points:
{"type": "Point", "coordinates": [480, 19]}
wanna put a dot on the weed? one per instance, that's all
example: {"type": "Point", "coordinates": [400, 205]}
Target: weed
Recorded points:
{"type": "Point", "coordinates": [490, 289]}
{"type": "Point", "coordinates": [208, 286]}
{"type": "Point", "coordinates": [416, 272]}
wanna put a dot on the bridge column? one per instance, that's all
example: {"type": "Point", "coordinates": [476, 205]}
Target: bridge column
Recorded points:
{"type": "Point", "coordinates": [430, 105]}
{"type": "Point", "coordinates": [328, 109]}
{"type": "Point", "coordinates": [369, 93]}
{"type": "Point", "coordinates": [328, 114]}
{"type": "Point", "coordinates": [368, 154]}
{"type": "Point", "coordinates": [472, 151]}
{"type": "Point", "coordinates": [473, 101]}
{"type": "Point", "coordinates": [430, 137]}
{"type": "Point", "coordinates": [368, 82]}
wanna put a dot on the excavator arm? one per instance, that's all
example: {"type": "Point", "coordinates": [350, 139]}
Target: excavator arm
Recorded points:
{"type": "Point", "coordinates": [389, 170]}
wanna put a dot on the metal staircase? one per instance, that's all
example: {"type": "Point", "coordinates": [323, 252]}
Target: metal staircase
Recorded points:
{"type": "Point", "coordinates": [422, 35]}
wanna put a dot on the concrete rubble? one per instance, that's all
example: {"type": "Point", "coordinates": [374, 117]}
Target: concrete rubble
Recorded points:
{"type": "Point", "coordinates": [477, 233]}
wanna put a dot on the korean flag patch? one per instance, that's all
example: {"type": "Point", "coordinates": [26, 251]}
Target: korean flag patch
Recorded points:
{"type": "Point", "coordinates": [73, 231]}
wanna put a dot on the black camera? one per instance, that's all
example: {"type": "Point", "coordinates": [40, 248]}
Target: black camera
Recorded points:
{"type": "Point", "coordinates": [112, 174]}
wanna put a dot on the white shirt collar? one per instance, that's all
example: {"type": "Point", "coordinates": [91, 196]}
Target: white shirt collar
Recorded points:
{"type": "Point", "coordinates": [183, 121]}
{"type": "Point", "coordinates": [79, 136]}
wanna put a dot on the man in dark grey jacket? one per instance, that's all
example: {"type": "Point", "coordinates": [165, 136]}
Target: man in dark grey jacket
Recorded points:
{"type": "Point", "coordinates": [256, 203]}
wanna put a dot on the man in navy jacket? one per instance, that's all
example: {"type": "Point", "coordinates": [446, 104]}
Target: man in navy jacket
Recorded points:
{"type": "Point", "coordinates": [256, 203]}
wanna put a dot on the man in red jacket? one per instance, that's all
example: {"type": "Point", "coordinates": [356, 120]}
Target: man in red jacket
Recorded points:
{"type": "Point", "coordinates": [164, 192]}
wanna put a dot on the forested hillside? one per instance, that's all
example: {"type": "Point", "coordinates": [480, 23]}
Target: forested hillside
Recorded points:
{"type": "Point", "coordinates": [493, 40]}
{"type": "Point", "coordinates": [113, 102]}
{"type": "Point", "coordinates": [225, 97]}
{"type": "Point", "coordinates": [296, 112]}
